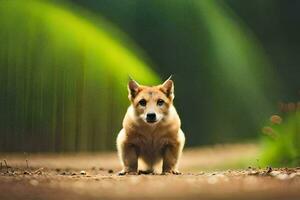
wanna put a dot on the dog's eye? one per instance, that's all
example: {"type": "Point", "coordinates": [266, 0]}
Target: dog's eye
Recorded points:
{"type": "Point", "coordinates": [142, 102]}
{"type": "Point", "coordinates": [160, 102]}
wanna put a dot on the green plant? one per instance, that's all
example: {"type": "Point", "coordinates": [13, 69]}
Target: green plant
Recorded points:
{"type": "Point", "coordinates": [281, 146]}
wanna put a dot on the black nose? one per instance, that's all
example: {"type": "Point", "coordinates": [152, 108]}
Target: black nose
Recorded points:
{"type": "Point", "coordinates": [151, 117]}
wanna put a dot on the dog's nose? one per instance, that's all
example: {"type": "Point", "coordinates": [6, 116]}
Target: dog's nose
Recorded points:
{"type": "Point", "coordinates": [151, 117]}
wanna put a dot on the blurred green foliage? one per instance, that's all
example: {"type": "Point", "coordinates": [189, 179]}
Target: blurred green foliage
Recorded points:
{"type": "Point", "coordinates": [63, 69]}
{"type": "Point", "coordinates": [224, 84]}
{"type": "Point", "coordinates": [62, 79]}
{"type": "Point", "coordinates": [281, 145]}
{"type": "Point", "coordinates": [275, 24]}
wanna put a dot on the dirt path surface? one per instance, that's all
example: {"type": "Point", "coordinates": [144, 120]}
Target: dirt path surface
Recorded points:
{"type": "Point", "coordinates": [93, 176]}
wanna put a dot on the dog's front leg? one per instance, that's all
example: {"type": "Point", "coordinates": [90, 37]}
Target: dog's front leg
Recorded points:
{"type": "Point", "coordinates": [127, 154]}
{"type": "Point", "coordinates": [129, 159]}
{"type": "Point", "coordinates": [171, 155]}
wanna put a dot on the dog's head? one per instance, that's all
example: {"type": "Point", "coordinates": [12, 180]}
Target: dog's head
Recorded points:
{"type": "Point", "coordinates": [151, 104]}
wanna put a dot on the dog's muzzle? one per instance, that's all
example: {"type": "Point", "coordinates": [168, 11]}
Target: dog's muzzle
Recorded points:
{"type": "Point", "coordinates": [151, 117]}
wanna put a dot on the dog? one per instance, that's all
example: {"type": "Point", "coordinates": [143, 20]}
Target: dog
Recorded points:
{"type": "Point", "coordinates": [151, 140]}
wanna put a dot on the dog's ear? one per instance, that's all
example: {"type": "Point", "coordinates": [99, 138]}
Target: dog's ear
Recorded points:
{"type": "Point", "coordinates": [133, 88]}
{"type": "Point", "coordinates": [168, 88]}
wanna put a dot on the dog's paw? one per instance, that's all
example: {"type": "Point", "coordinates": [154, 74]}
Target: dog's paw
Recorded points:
{"type": "Point", "coordinates": [174, 172]}
{"type": "Point", "coordinates": [122, 173]}
{"type": "Point", "coordinates": [145, 172]}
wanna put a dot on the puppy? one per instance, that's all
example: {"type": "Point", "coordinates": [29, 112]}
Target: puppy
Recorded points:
{"type": "Point", "coordinates": [151, 132]}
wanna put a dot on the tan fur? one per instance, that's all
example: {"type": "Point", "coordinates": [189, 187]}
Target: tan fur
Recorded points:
{"type": "Point", "coordinates": [149, 144]}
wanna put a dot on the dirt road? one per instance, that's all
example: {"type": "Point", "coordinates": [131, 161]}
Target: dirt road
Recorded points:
{"type": "Point", "coordinates": [93, 176]}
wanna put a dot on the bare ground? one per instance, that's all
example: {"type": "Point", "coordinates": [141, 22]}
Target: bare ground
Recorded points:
{"type": "Point", "coordinates": [93, 176]}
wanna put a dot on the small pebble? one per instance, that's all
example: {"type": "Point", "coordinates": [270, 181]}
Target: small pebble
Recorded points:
{"type": "Point", "coordinates": [269, 169]}
{"type": "Point", "coordinates": [27, 173]}
{"type": "Point", "coordinates": [82, 172]}
{"type": "Point", "coordinates": [34, 182]}
{"type": "Point", "coordinates": [275, 173]}
{"type": "Point", "coordinates": [253, 172]}
{"type": "Point", "coordinates": [110, 171]}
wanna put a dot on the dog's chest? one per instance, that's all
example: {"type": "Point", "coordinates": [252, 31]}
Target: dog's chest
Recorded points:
{"type": "Point", "coordinates": [152, 143]}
